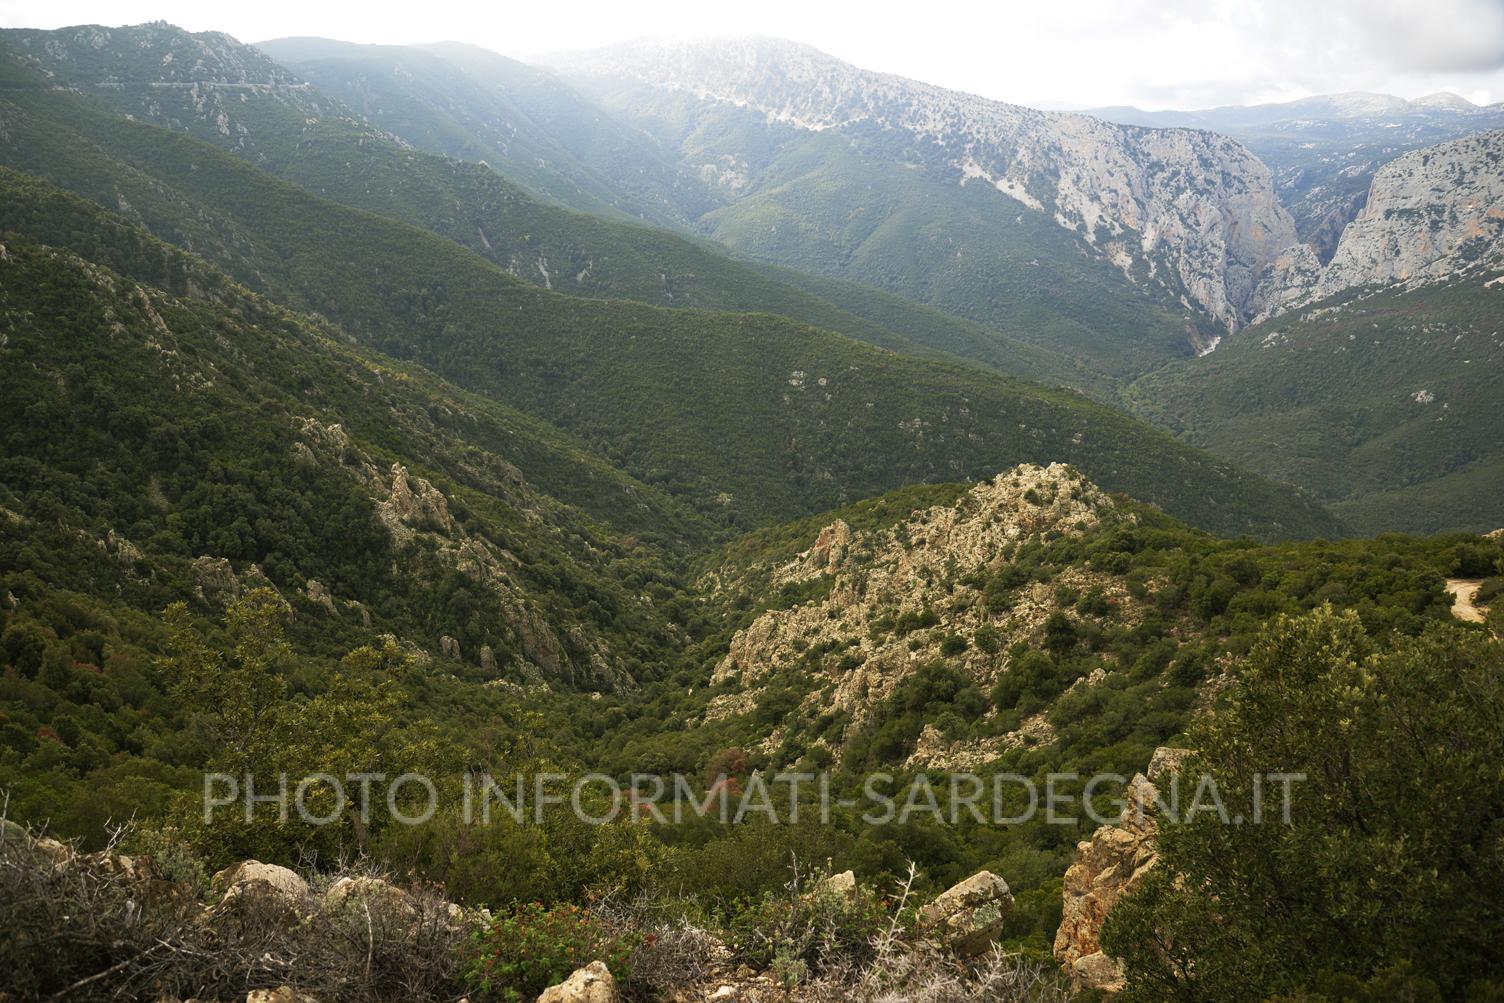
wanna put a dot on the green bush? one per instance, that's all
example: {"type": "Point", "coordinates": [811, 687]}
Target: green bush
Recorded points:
{"type": "Point", "coordinates": [807, 931]}
{"type": "Point", "coordinates": [533, 946]}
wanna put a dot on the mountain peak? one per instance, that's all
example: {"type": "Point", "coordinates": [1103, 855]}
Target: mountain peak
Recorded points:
{"type": "Point", "coordinates": [1445, 100]}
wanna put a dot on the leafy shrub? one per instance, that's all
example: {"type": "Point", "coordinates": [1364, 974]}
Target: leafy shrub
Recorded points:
{"type": "Point", "coordinates": [803, 933]}
{"type": "Point", "coordinates": [953, 644]}
{"type": "Point", "coordinates": [913, 620]}
{"type": "Point", "coordinates": [533, 946]}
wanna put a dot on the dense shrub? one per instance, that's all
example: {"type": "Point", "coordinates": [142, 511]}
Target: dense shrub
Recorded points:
{"type": "Point", "coordinates": [532, 946]}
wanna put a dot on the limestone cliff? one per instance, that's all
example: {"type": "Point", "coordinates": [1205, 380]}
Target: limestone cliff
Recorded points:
{"type": "Point", "coordinates": [1193, 207]}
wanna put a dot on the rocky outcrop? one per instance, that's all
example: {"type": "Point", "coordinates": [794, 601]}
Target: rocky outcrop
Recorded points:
{"type": "Point", "coordinates": [215, 580]}
{"type": "Point", "coordinates": [1108, 866]}
{"type": "Point", "coordinates": [968, 917]}
{"type": "Point", "coordinates": [591, 984]}
{"type": "Point", "coordinates": [368, 895]}
{"type": "Point", "coordinates": [842, 885]}
{"type": "Point", "coordinates": [280, 880]}
{"type": "Point", "coordinates": [412, 508]}
{"type": "Point", "coordinates": [891, 600]}
{"type": "Point", "coordinates": [315, 592]}
{"type": "Point", "coordinates": [414, 502]}
{"type": "Point", "coordinates": [1430, 214]}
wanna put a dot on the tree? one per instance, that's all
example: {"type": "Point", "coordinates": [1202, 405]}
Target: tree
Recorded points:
{"type": "Point", "coordinates": [1392, 850]}
{"type": "Point", "coordinates": [235, 692]}
{"type": "Point", "coordinates": [256, 735]}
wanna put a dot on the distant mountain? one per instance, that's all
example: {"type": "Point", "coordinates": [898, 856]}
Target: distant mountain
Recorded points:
{"type": "Point", "coordinates": [986, 209]}
{"type": "Point", "coordinates": [466, 102]}
{"type": "Point", "coordinates": [1430, 215]}
{"type": "Point", "coordinates": [234, 96]}
{"type": "Point", "coordinates": [1325, 150]}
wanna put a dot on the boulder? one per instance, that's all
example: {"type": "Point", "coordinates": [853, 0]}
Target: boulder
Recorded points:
{"type": "Point", "coordinates": [383, 899]}
{"type": "Point", "coordinates": [591, 984]}
{"type": "Point", "coordinates": [1098, 971]}
{"type": "Point", "coordinates": [280, 879]}
{"type": "Point", "coordinates": [281, 994]}
{"type": "Point", "coordinates": [255, 892]}
{"type": "Point", "coordinates": [319, 596]}
{"type": "Point", "coordinates": [842, 885]}
{"type": "Point", "coordinates": [968, 917]}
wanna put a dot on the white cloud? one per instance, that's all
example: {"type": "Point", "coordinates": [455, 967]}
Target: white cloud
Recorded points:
{"type": "Point", "coordinates": [1158, 53]}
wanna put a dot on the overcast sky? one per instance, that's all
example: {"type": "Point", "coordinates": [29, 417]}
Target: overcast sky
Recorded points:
{"type": "Point", "coordinates": [1055, 53]}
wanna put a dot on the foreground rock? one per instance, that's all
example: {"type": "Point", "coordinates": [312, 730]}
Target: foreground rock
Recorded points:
{"type": "Point", "coordinates": [281, 994]}
{"type": "Point", "coordinates": [968, 918]}
{"type": "Point", "coordinates": [591, 984]}
{"type": "Point", "coordinates": [250, 872]}
{"type": "Point", "coordinates": [370, 895]}
{"type": "Point", "coordinates": [1108, 866]}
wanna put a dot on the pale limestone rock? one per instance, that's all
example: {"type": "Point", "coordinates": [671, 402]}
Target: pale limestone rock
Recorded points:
{"type": "Point", "coordinates": [284, 881]}
{"type": "Point", "coordinates": [591, 984]}
{"type": "Point", "coordinates": [1186, 202]}
{"type": "Point", "coordinates": [842, 885]}
{"type": "Point", "coordinates": [281, 994]}
{"type": "Point", "coordinates": [215, 580]}
{"type": "Point", "coordinates": [968, 917]}
{"type": "Point", "coordinates": [380, 897]}
{"type": "Point", "coordinates": [317, 594]}
{"type": "Point", "coordinates": [936, 559]}
{"type": "Point", "coordinates": [449, 647]}
{"type": "Point", "coordinates": [1098, 971]}
{"type": "Point", "coordinates": [1429, 214]}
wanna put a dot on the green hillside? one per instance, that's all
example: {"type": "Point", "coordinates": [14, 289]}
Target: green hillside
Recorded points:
{"type": "Point", "coordinates": [283, 125]}
{"type": "Point", "coordinates": [152, 433]}
{"type": "Point", "coordinates": [865, 204]}
{"type": "Point", "coordinates": [726, 410]}
{"type": "Point", "coordinates": [465, 102]}
{"type": "Point", "coordinates": [1386, 406]}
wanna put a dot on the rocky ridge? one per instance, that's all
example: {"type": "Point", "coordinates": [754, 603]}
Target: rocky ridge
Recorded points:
{"type": "Point", "coordinates": [412, 510]}
{"type": "Point", "coordinates": [1430, 214]}
{"type": "Point", "coordinates": [889, 600]}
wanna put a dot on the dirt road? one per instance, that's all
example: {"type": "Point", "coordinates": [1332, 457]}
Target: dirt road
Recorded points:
{"type": "Point", "coordinates": [1463, 590]}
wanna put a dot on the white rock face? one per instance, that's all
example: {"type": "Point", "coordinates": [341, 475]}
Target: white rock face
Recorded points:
{"type": "Point", "coordinates": [1430, 214]}
{"type": "Point", "coordinates": [1198, 205]}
